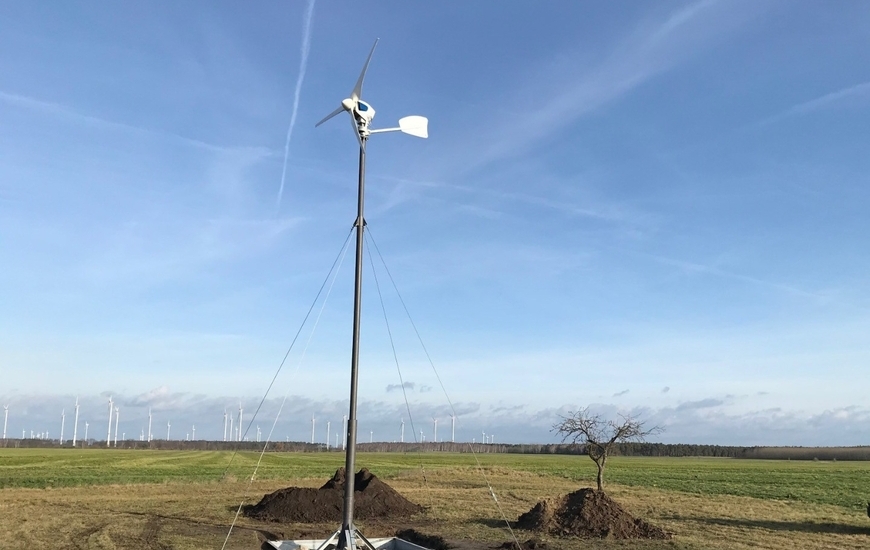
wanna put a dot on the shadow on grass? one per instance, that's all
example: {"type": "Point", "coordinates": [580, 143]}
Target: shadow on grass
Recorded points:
{"type": "Point", "coordinates": [801, 526]}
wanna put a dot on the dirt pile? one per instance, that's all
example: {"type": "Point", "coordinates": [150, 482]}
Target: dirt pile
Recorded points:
{"type": "Point", "coordinates": [372, 499]}
{"type": "Point", "coordinates": [587, 513]}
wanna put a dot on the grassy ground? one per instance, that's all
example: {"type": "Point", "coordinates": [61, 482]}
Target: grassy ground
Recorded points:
{"type": "Point", "coordinates": [99, 498]}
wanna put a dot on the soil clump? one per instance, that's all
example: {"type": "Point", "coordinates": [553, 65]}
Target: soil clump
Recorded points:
{"type": "Point", "coordinates": [587, 513]}
{"type": "Point", "coordinates": [372, 499]}
{"type": "Point", "coordinates": [432, 542]}
{"type": "Point", "coordinates": [531, 544]}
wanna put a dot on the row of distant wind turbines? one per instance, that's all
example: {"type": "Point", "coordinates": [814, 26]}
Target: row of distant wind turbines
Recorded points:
{"type": "Point", "coordinates": [343, 442]}
{"type": "Point", "coordinates": [232, 429]}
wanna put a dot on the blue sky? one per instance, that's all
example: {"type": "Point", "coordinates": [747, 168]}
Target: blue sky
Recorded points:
{"type": "Point", "coordinates": [650, 208]}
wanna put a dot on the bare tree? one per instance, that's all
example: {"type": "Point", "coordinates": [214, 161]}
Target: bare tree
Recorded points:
{"type": "Point", "coordinates": [598, 435]}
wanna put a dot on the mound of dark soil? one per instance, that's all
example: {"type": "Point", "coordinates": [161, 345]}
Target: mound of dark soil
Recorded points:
{"type": "Point", "coordinates": [372, 499]}
{"type": "Point", "coordinates": [587, 513]}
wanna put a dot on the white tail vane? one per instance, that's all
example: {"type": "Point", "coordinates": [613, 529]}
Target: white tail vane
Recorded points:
{"type": "Point", "coordinates": [362, 113]}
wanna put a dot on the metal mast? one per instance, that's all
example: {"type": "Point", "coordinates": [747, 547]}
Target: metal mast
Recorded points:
{"type": "Point", "coordinates": [361, 114]}
{"type": "Point", "coordinates": [350, 456]}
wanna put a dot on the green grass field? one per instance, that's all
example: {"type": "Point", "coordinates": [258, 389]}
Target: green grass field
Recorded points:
{"type": "Point", "coordinates": [101, 498]}
{"type": "Point", "coordinates": [845, 484]}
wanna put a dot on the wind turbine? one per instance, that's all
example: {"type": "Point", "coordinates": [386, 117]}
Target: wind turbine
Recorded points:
{"type": "Point", "coordinates": [402, 435]}
{"type": "Point", "coordinates": [111, 412]}
{"type": "Point", "coordinates": [5, 419]}
{"type": "Point", "coordinates": [62, 422]}
{"type": "Point", "coordinates": [76, 424]}
{"type": "Point", "coordinates": [327, 434]}
{"type": "Point", "coordinates": [435, 431]}
{"type": "Point", "coordinates": [168, 427]}
{"type": "Point", "coordinates": [149, 425]}
{"type": "Point", "coordinates": [453, 428]}
{"type": "Point", "coordinates": [361, 115]}
{"type": "Point", "coordinates": [225, 424]}
{"type": "Point", "coordinates": [117, 416]}
{"type": "Point", "coordinates": [240, 421]}
{"type": "Point", "coordinates": [86, 432]}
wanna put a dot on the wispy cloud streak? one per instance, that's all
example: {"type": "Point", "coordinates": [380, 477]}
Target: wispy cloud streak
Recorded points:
{"type": "Point", "coordinates": [303, 65]}
{"type": "Point", "coordinates": [700, 268]}
{"type": "Point", "coordinates": [65, 112]}
{"type": "Point", "coordinates": [829, 100]}
{"type": "Point", "coordinates": [855, 91]}
{"type": "Point", "coordinates": [640, 56]}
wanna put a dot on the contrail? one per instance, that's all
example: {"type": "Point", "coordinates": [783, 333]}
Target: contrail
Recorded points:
{"type": "Point", "coordinates": [303, 63]}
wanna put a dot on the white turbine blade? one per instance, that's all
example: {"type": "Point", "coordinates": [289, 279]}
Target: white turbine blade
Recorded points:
{"type": "Point", "coordinates": [357, 90]}
{"type": "Point", "coordinates": [330, 115]}
{"type": "Point", "coordinates": [415, 125]}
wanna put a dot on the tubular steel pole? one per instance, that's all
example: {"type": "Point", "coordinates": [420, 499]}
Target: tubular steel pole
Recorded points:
{"type": "Point", "coordinates": [347, 521]}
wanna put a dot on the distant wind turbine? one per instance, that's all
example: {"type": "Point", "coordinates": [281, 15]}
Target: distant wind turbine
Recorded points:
{"type": "Point", "coordinates": [117, 417]}
{"type": "Point", "coordinates": [435, 431]}
{"type": "Point", "coordinates": [5, 419]}
{"type": "Point", "coordinates": [62, 421]}
{"type": "Point", "coordinates": [76, 424]}
{"type": "Point", "coordinates": [149, 424]}
{"type": "Point", "coordinates": [168, 426]}
{"type": "Point", "coordinates": [86, 431]}
{"type": "Point", "coordinates": [240, 421]}
{"type": "Point", "coordinates": [453, 428]}
{"type": "Point", "coordinates": [111, 413]}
